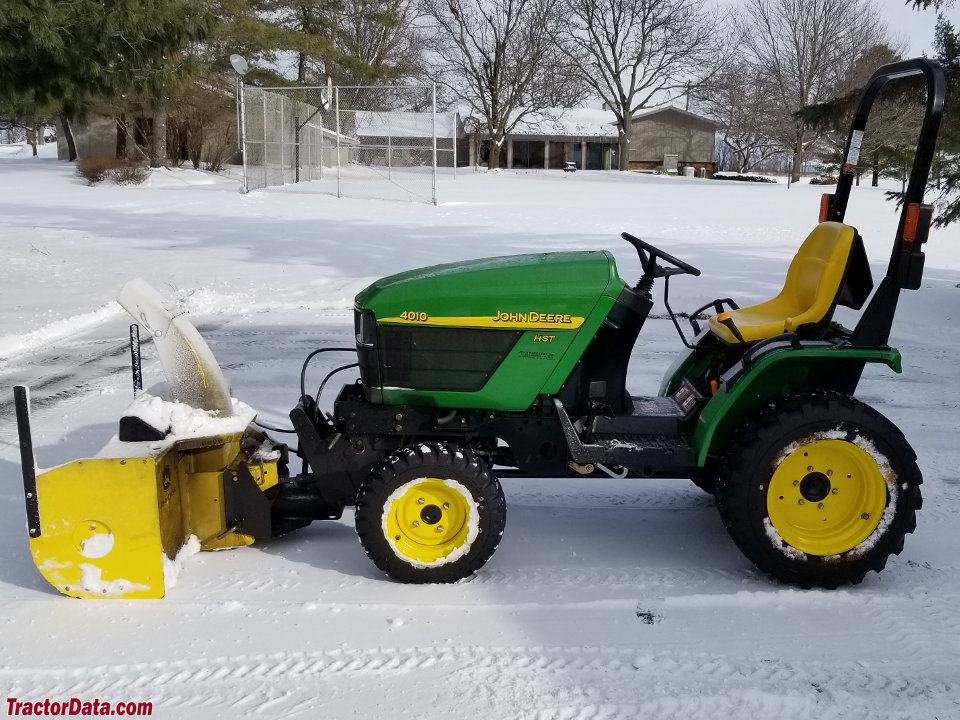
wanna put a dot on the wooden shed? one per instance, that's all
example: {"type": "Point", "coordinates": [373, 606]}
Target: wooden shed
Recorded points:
{"type": "Point", "coordinates": [670, 131]}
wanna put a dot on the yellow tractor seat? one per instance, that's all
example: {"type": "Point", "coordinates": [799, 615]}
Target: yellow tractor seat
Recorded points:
{"type": "Point", "coordinates": [830, 268]}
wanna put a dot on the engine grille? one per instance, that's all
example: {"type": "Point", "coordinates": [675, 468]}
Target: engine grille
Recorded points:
{"type": "Point", "coordinates": [441, 358]}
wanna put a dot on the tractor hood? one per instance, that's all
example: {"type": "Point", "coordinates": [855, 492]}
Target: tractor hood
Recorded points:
{"type": "Point", "coordinates": [487, 333]}
{"type": "Point", "coordinates": [542, 291]}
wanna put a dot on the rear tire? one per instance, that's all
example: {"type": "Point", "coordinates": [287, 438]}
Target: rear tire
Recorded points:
{"type": "Point", "coordinates": [819, 490]}
{"type": "Point", "coordinates": [431, 513]}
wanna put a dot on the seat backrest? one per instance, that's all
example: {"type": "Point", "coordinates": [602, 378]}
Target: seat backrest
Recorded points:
{"type": "Point", "coordinates": [816, 272]}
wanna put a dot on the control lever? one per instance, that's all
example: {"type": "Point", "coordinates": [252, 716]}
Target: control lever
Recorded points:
{"type": "Point", "coordinates": [726, 319]}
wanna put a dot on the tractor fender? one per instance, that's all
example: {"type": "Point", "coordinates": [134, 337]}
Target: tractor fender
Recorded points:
{"type": "Point", "coordinates": [782, 371]}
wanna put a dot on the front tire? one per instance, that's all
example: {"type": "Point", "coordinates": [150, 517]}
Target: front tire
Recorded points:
{"type": "Point", "coordinates": [819, 490]}
{"type": "Point", "coordinates": [431, 513]}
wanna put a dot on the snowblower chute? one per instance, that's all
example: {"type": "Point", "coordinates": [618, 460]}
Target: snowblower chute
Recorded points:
{"type": "Point", "coordinates": [183, 474]}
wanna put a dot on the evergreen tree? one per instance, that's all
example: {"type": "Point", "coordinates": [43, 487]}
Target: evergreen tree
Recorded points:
{"type": "Point", "coordinates": [946, 167]}
{"type": "Point", "coordinates": [354, 42]}
{"type": "Point", "coordinates": [67, 56]}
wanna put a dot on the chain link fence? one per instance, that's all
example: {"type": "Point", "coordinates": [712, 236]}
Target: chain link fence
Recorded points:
{"type": "Point", "coordinates": [366, 142]}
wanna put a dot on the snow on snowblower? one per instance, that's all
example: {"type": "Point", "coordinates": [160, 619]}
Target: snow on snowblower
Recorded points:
{"type": "Point", "coordinates": [517, 366]}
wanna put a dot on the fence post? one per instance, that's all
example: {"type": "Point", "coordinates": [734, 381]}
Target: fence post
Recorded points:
{"type": "Point", "coordinates": [283, 137]}
{"type": "Point", "coordinates": [243, 136]}
{"type": "Point", "coordinates": [266, 174]}
{"type": "Point", "coordinates": [336, 96]}
{"type": "Point", "coordinates": [455, 136]}
{"type": "Point", "coordinates": [296, 148]}
{"type": "Point", "coordinates": [434, 143]}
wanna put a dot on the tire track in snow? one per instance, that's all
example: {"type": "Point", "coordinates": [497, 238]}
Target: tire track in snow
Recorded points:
{"type": "Point", "coordinates": [580, 682]}
{"type": "Point", "coordinates": [530, 579]}
{"type": "Point", "coordinates": [81, 364]}
{"type": "Point", "coordinates": [65, 370]}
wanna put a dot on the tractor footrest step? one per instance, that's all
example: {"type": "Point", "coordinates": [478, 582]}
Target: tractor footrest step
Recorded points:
{"type": "Point", "coordinates": [641, 443]}
{"type": "Point", "coordinates": [642, 453]}
{"type": "Point", "coordinates": [656, 407]}
{"type": "Point", "coordinates": [646, 416]}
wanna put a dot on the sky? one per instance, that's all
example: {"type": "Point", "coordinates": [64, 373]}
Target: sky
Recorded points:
{"type": "Point", "coordinates": [915, 27]}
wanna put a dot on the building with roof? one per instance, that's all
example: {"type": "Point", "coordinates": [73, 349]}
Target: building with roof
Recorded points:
{"type": "Point", "coordinates": [669, 139]}
{"type": "Point", "coordinates": [583, 136]}
{"type": "Point", "coordinates": [665, 139]}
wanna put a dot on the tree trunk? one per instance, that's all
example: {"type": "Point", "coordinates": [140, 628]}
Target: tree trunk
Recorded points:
{"type": "Point", "coordinates": [797, 163]}
{"type": "Point", "coordinates": [133, 150]}
{"type": "Point", "coordinates": [68, 137]}
{"type": "Point", "coordinates": [158, 139]}
{"type": "Point", "coordinates": [121, 149]}
{"type": "Point", "coordinates": [493, 162]}
{"type": "Point", "coordinates": [302, 68]}
{"type": "Point", "coordinates": [798, 155]}
{"type": "Point", "coordinates": [623, 160]}
{"type": "Point", "coordinates": [876, 169]}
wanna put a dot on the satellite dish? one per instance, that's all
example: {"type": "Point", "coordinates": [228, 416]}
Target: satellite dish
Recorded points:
{"type": "Point", "coordinates": [239, 65]}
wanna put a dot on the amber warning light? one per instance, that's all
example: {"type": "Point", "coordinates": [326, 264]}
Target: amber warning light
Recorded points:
{"type": "Point", "coordinates": [910, 225]}
{"type": "Point", "coordinates": [916, 224]}
{"type": "Point", "coordinates": [825, 206]}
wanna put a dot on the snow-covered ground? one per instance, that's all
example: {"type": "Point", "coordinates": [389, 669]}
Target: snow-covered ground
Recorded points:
{"type": "Point", "coordinates": [606, 599]}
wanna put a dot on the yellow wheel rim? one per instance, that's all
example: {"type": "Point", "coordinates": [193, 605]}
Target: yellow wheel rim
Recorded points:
{"type": "Point", "coordinates": [826, 497]}
{"type": "Point", "coordinates": [430, 521]}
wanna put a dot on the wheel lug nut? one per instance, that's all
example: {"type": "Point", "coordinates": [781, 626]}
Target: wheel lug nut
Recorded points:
{"type": "Point", "coordinates": [446, 506]}
{"type": "Point", "coordinates": [829, 473]}
{"type": "Point", "coordinates": [820, 505]}
{"type": "Point", "coordinates": [809, 468]}
{"type": "Point", "coordinates": [416, 523]}
{"type": "Point", "coordinates": [421, 501]}
{"type": "Point", "coordinates": [796, 483]}
{"type": "Point", "coordinates": [865, 516]}
{"type": "Point", "coordinates": [834, 491]}
{"type": "Point", "coordinates": [439, 528]}
{"type": "Point", "coordinates": [800, 501]}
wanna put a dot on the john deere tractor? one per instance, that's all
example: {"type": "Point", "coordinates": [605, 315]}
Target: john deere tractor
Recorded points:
{"type": "Point", "coordinates": [517, 366]}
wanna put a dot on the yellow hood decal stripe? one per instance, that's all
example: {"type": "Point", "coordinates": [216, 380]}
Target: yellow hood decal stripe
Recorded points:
{"type": "Point", "coordinates": [509, 321]}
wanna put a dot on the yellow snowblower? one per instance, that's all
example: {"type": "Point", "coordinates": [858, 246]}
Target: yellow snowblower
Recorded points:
{"type": "Point", "coordinates": [183, 474]}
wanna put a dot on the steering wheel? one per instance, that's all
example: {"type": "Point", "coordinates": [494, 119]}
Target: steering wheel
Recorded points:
{"type": "Point", "coordinates": [648, 259]}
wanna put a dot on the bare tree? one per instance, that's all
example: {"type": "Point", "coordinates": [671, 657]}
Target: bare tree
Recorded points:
{"type": "Point", "coordinates": [498, 57]}
{"type": "Point", "coordinates": [805, 48]}
{"type": "Point", "coordinates": [377, 35]}
{"type": "Point", "coordinates": [372, 42]}
{"type": "Point", "coordinates": [31, 129]}
{"type": "Point", "coordinates": [893, 124]}
{"type": "Point", "coordinates": [740, 98]}
{"type": "Point", "coordinates": [632, 52]}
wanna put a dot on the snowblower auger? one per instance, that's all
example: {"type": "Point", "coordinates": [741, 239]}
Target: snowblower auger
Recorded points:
{"type": "Point", "coordinates": [180, 476]}
{"type": "Point", "coordinates": [517, 366]}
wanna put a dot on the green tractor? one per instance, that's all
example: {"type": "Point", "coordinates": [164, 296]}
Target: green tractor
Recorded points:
{"type": "Point", "coordinates": [517, 366]}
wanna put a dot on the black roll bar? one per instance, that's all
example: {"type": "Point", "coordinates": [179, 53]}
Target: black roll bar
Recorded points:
{"type": "Point", "coordinates": [906, 260]}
